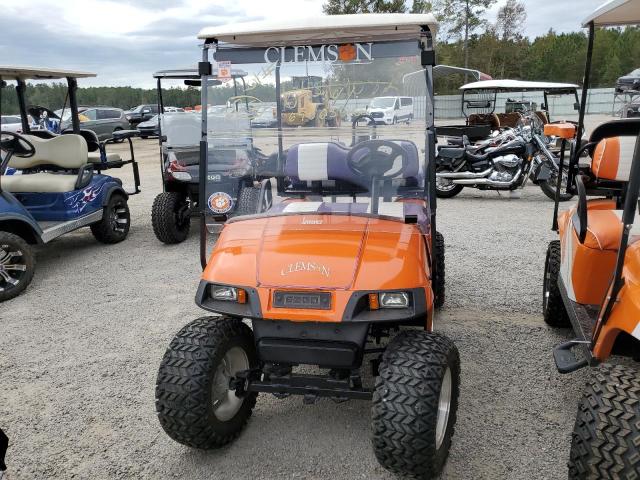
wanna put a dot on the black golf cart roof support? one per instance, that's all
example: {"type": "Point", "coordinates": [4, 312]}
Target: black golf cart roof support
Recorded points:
{"type": "Point", "coordinates": [628, 216]}
{"type": "Point", "coordinates": [21, 88]}
{"type": "Point", "coordinates": [205, 71]}
{"type": "Point", "coordinates": [428, 61]}
{"type": "Point", "coordinates": [73, 104]}
{"type": "Point", "coordinates": [574, 159]}
{"type": "Point", "coordinates": [160, 112]}
{"type": "Point", "coordinates": [279, 180]}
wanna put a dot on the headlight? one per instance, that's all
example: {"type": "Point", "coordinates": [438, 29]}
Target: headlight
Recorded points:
{"type": "Point", "coordinates": [228, 294]}
{"type": "Point", "coordinates": [388, 300]}
{"type": "Point", "coordinates": [181, 176]}
{"type": "Point", "coordinates": [394, 300]}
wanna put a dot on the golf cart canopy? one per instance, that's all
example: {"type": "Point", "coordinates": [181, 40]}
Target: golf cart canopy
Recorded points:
{"type": "Point", "coordinates": [615, 12]}
{"type": "Point", "coordinates": [192, 74]}
{"type": "Point", "coordinates": [521, 86]}
{"type": "Point", "coordinates": [323, 29]}
{"type": "Point", "coordinates": [33, 73]}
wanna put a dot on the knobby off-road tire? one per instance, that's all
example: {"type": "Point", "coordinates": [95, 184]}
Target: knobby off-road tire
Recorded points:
{"type": "Point", "coordinates": [168, 227]}
{"type": "Point", "coordinates": [115, 223]}
{"type": "Point", "coordinates": [186, 383]}
{"type": "Point", "coordinates": [17, 265]}
{"type": "Point", "coordinates": [406, 402]}
{"type": "Point", "coordinates": [553, 310]}
{"type": "Point", "coordinates": [438, 274]}
{"type": "Point", "coordinates": [248, 201]}
{"type": "Point", "coordinates": [606, 436]}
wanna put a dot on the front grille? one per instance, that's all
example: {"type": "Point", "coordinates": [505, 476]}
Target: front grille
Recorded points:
{"type": "Point", "coordinates": [302, 300]}
{"type": "Point", "coordinates": [377, 115]}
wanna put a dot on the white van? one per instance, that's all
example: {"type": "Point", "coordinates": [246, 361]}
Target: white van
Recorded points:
{"type": "Point", "coordinates": [391, 110]}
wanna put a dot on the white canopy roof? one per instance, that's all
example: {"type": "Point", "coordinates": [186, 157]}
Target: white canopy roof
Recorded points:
{"type": "Point", "coordinates": [34, 73]}
{"type": "Point", "coordinates": [517, 85]}
{"type": "Point", "coordinates": [615, 12]}
{"type": "Point", "coordinates": [323, 29]}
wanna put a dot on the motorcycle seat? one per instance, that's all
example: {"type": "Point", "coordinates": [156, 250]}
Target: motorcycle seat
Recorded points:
{"type": "Point", "coordinates": [451, 152]}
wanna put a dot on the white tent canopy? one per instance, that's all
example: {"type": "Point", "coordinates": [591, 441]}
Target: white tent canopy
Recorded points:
{"type": "Point", "coordinates": [518, 86]}
{"type": "Point", "coordinates": [34, 73]}
{"type": "Point", "coordinates": [323, 29]}
{"type": "Point", "coordinates": [615, 12]}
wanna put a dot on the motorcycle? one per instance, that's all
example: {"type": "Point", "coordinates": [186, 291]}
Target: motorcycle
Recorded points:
{"type": "Point", "coordinates": [505, 161]}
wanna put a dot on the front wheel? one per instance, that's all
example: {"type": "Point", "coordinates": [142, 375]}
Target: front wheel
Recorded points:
{"type": "Point", "coordinates": [116, 220]}
{"type": "Point", "coordinates": [549, 186]}
{"type": "Point", "coordinates": [17, 265]}
{"type": "Point", "coordinates": [553, 310]}
{"type": "Point", "coordinates": [194, 402]}
{"type": "Point", "coordinates": [606, 436]}
{"type": "Point", "coordinates": [415, 402]}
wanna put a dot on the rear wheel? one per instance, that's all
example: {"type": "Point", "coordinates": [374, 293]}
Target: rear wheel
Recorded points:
{"type": "Point", "coordinates": [606, 436]}
{"type": "Point", "coordinates": [194, 403]}
{"type": "Point", "coordinates": [251, 202]}
{"type": "Point", "coordinates": [438, 274]}
{"type": "Point", "coordinates": [445, 188]}
{"type": "Point", "coordinates": [553, 309]}
{"type": "Point", "coordinates": [116, 220]}
{"type": "Point", "coordinates": [17, 265]}
{"type": "Point", "coordinates": [170, 217]}
{"type": "Point", "coordinates": [415, 402]}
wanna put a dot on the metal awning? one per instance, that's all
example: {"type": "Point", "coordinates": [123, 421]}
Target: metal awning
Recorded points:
{"type": "Point", "coordinates": [615, 12]}
{"type": "Point", "coordinates": [323, 29]}
{"type": "Point", "coordinates": [35, 73]}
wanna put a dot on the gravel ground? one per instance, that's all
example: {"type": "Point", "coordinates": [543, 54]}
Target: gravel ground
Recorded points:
{"type": "Point", "coordinates": [79, 352]}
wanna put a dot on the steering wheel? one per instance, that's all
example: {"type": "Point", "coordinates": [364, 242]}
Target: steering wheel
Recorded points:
{"type": "Point", "coordinates": [357, 118]}
{"type": "Point", "coordinates": [14, 144]}
{"type": "Point", "coordinates": [375, 158]}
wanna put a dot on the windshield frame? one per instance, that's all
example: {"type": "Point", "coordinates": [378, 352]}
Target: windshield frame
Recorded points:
{"type": "Point", "coordinates": [422, 47]}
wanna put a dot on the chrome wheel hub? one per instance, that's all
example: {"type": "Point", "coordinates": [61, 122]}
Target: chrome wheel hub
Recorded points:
{"type": "Point", "coordinates": [444, 408]}
{"type": "Point", "coordinates": [118, 218]}
{"type": "Point", "coordinates": [225, 401]}
{"type": "Point", "coordinates": [12, 267]}
{"type": "Point", "coordinates": [444, 184]}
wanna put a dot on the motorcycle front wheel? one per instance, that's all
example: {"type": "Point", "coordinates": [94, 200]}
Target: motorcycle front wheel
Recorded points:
{"type": "Point", "coordinates": [549, 187]}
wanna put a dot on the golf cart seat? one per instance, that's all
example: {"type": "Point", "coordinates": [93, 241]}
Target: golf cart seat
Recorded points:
{"type": "Point", "coordinates": [95, 157]}
{"type": "Point", "coordinates": [94, 147]}
{"type": "Point", "coordinates": [509, 119]}
{"type": "Point", "coordinates": [66, 154]}
{"type": "Point", "coordinates": [490, 119]}
{"type": "Point", "coordinates": [596, 225]}
{"type": "Point", "coordinates": [326, 162]}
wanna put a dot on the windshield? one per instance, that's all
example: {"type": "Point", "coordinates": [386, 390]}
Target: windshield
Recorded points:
{"type": "Point", "coordinates": [382, 103]}
{"type": "Point", "coordinates": [330, 156]}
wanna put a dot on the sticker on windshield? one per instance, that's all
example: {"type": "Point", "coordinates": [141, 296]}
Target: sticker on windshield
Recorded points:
{"type": "Point", "coordinates": [224, 70]}
{"type": "Point", "coordinates": [220, 202]}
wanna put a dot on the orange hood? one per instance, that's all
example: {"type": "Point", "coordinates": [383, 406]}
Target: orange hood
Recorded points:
{"type": "Point", "coordinates": [319, 251]}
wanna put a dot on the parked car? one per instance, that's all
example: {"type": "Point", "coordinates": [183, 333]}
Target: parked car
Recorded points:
{"type": "Point", "coordinates": [629, 82]}
{"type": "Point", "coordinates": [11, 123]}
{"type": "Point", "coordinates": [264, 117]}
{"type": "Point", "coordinates": [101, 120]}
{"type": "Point", "coordinates": [391, 110]}
{"type": "Point", "coordinates": [173, 110]}
{"type": "Point", "coordinates": [141, 113]}
{"type": "Point", "coordinates": [150, 127]}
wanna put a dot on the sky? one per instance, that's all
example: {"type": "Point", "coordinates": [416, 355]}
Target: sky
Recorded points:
{"type": "Point", "coordinates": [125, 41]}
